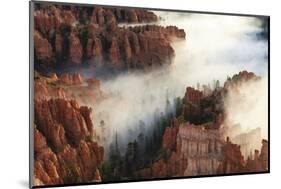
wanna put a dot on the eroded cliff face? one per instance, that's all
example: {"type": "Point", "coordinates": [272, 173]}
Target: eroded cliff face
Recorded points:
{"type": "Point", "coordinates": [189, 150]}
{"type": "Point", "coordinates": [90, 36]}
{"type": "Point", "coordinates": [64, 149]}
{"type": "Point", "coordinates": [68, 86]}
{"type": "Point", "coordinates": [93, 40]}
{"type": "Point", "coordinates": [248, 141]}
{"type": "Point", "coordinates": [206, 147]}
{"type": "Point", "coordinates": [234, 162]}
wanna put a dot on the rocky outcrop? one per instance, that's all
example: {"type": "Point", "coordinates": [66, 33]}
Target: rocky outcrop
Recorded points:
{"type": "Point", "coordinates": [194, 143]}
{"type": "Point", "coordinates": [167, 32]}
{"type": "Point", "coordinates": [68, 37]}
{"type": "Point", "coordinates": [202, 149]}
{"type": "Point", "coordinates": [67, 86]}
{"type": "Point", "coordinates": [170, 136]}
{"type": "Point", "coordinates": [238, 79]}
{"type": "Point", "coordinates": [193, 150]}
{"type": "Point", "coordinates": [40, 90]}
{"type": "Point", "coordinates": [192, 95]}
{"type": "Point", "coordinates": [51, 115]}
{"type": "Point", "coordinates": [63, 149]}
{"type": "Point", "coordinates": [43, 49]}
{"type": "Point", "coordinates": [75, 49]}
{"type": "Point", "coordinates": [45, 22]}
{"type": "Point", "coordinates": [114, 52]}
{"type": "Point", "coordinates": [127, 15]}
{"type": "Point", "coordinates": [189, 150]}
{"type": "Point", "coordinates": [199, 108]}
{"type": "Point", "coordinates": [135, 16]}
{"type": "Point", "coordinates": [264, 155]}
{"type": "Point", "coordinates": [233, 160]}
{"type": "Point", "coordinates": [248, 141]}
{"type": "Point", "coordinates": [258, 162]}
{"type": "Point", "coordinates": [94, 51]}
{"type": "Point", "coordinates": [71, 79]}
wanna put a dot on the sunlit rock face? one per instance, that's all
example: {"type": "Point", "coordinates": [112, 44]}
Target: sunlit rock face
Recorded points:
{"type": "Point", "coordinates": [67, 86]}
{"type": "Point", "coordinates": [43, 48]}
{"type": "Point", "coordinates": [75, 49]}
{"type": "Point", "coordinates": [234, 162]}
{"type": "Point", "coordinates": [189, 150]}
{"type": "Point", "coordinates": [64, 149]}
{"type": "Point", "coordinates": [91, 36]}
{"type": "Point", "coordinates": [192, 95]}
{"type": "Point", "coordinates": [201, 148]}
{"type": "Point", "coordinates": [71, 79]}
{"type": "Point", "coordinates": [192, 149]}
{"type": "Point", "coordinates": [168, 31]}
{"type": "Point", "coordinates": [108, 73]}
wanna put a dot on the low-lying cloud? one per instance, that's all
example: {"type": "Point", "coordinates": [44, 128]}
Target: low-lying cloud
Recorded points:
{"type": "Point", "coordinates": [216, 46]}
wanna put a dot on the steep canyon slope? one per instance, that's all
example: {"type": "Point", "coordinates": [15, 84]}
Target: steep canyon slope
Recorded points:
{"type": "Point", "coordinates": [109, 106]}
{"type": "Point", "coordinates": [68, 37]}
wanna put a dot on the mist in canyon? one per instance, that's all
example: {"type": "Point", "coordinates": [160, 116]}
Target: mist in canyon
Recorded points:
{"type": "Point", "coordinates": [216, 47]}
{"type": "Point", "coordinates": [247, 115]}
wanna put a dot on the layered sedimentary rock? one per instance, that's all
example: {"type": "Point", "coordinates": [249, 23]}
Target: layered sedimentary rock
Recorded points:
{"type": "Point", "coordinates": [189, 150]}
{"type": "Point", "coordinates": [192, 95]}
{"type": "Point", "coordinates": [67, 86]}
{"type": "Point", "coordinates": [199, 108]}
{"type": "Point", "coordinates": [234, 162]}
{"type": "Point", "coordinates": [167, 32]}
{"type": "Point", "coordinates": [71, 79]}
{"type": "Point", "coordinates": [67, 37]}
{"type": "Point", "coordinates": [64, 150]}
{"type": "Point", "coordinates": [43, 49]}
{"type": "Point", "coordinates": [202, 147]}
{"type": "Point", "coordinates": [248, 141]}
{"type": "Point", "coordinates": [94, 51]}
{"type": "Point", "coordinates": [75, 49]}
{"type": "Point", "coordinates": [195, 142]}
{"type": "Point", "coordinates": [263, 157]}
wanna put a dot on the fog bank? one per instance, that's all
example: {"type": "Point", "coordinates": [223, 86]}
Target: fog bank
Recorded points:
{"type": "Point", "coordinates": [247, 115]}
{"type": "Point", "coordinates": [216, 46]}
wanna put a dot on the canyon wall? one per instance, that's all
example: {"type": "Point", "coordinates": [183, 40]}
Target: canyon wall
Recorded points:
{"type": "Point", "coordinates": [188, 150]}
{"type": "Point", "coordinates": [65, 37]}
{"type": "Point", "coordinates": [64, 149]}
{"type": "Point", "coordinates": [70, 86]}
{"type": "Point", "coordinates": [234, 162]}
{"type": "Point", "coordinates": [207, 147]}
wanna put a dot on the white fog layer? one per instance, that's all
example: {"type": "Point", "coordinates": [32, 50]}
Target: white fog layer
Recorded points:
{"type": "Point", "coordinates": [216, 46]}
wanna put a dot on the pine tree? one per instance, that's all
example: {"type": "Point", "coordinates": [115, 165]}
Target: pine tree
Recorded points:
{"type": "Point", "coordinates": [178, 102]}
{"type": "Point", "coordinates": [117, 152]}
{"type": "Point", "coordinates": [217, 84]}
